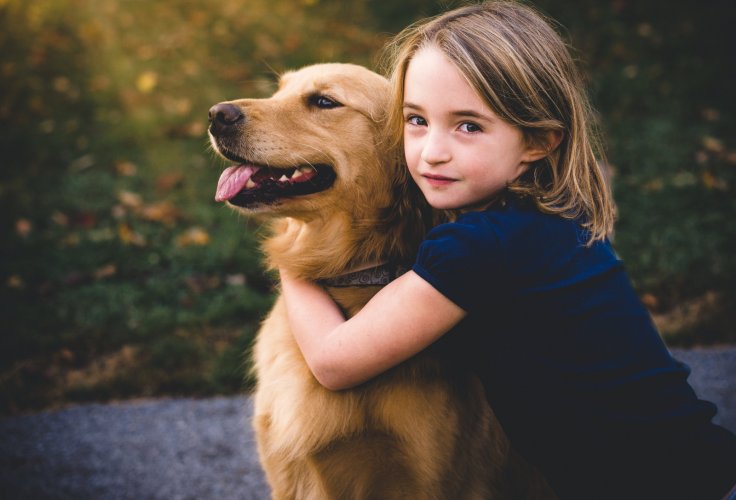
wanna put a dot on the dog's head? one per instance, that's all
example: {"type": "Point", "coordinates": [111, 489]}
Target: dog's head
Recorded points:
{"type": "Point", "coordinates": [315, 143]}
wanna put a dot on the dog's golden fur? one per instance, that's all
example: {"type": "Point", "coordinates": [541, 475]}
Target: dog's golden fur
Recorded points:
{"type": "Point", "coordinates": [421, 430]}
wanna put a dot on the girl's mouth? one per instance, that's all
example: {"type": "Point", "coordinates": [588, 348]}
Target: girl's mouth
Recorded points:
{"type": "Point", "coordinates": [438, 180]}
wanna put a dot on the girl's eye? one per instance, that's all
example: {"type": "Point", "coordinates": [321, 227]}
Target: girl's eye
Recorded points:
{"type": "Point", "coordinates": [470, 127]}
{"type": "Point", "coordinates": [416, 120]}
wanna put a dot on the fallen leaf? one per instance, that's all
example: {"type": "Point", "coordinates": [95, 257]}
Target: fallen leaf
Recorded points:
{"type": "Point", "coordinates": [644, 30]}
{"type": "Point", "coordinates": [631, 71]}
{"type": "Point", "coordinates": [162, 211]}
{"type": "Point", "coordinates": [130, 237]}
{"type": "Point", "coordinates": [650, 301]}
{"type": "Point", "coordinates": [126, 168]}
{"type": "Point", "coordinates": [118, 211]}
{"type": "Point", "coordinates": [61, 84]}
{"type": "Point", "coordinates": [167, 182]}
{"type": "Point", "coordinates": [235, 279]}
{"type": "Point", "coordinates": [71, 240]}
{"type": "Point", "coordinates": [60, 218]}
{"type": "Point", "coordinates": [146, 52]}
{"type": "Point", "coordinates": [23, 227]}
{"type": "Point", "coordinates": [99, 83]}
{"type": "Point", "coordinates": [191, 68]}
{"type": "Point", "coordinates": [67, 356]}
{"type": "Point", "coordinates": [146, 82]}
{"type": "Point", "coordinates": [101, 234]}
{"type": "Point", "coordinates": [709, 180]}
{"type": "Point", "coordinates": [653, 185]}
{"type": "Point", "coordinates": [712, 182]}
{"type": "Point", "coordinates": [194, 236]}
{"type": "Point", "coordinates": [86, 220]}
{"type": "Point", "coordinates": [106, 271]}
{"type": "Point", "coordinates": [684, 179]}
{"type": "Point", "coordinates": [175, 105]}
{"type": "Point", "coordinates": [196, 129]}
{"type": "Point", "coordinates": [16, 282]}
{"type": "Point", "coordinates": [200, 283]}
{"type": "Point", "coordinates": [710, 114]}
{"type": "Point", "coordinates": [712, 144]}
{"type": "Point", "coordinates": [130, 199]}
{"type": "Point", "coordinates": [82, 163]}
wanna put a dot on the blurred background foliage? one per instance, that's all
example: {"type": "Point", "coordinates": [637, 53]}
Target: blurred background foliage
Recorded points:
{"type": "Point", "coordinates": [121, 277]}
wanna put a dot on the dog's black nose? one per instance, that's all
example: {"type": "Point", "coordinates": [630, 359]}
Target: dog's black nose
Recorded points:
{"type": "Point", "coordinates": [224, 117]}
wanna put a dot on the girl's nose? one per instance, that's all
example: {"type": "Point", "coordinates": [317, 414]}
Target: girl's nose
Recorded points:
{"type": "Point", "coordinates": [435, 150]}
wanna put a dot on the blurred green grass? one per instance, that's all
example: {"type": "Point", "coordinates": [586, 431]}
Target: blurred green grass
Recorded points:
{"type": "Point", "coordinates": [119, 275]}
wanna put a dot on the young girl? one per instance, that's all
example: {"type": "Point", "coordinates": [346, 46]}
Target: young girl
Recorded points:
{"type": "Point", "coordinates": [523, 285]}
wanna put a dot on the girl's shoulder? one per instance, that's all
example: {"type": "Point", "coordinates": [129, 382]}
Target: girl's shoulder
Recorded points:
{"type": "Point", "coordinates": [520, 223]}
{"type": "Point", "coordinates": [497, 237]}
{"type": "Point", "coordinates": [530, 242]}
{"type": "Point", "coordinates": [471, 234]}
{"type": "Point", "coordinates": [515, 247]}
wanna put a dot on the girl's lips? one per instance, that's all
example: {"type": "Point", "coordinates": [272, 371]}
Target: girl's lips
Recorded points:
{"type": "Point", "coordinates": [438, 180]}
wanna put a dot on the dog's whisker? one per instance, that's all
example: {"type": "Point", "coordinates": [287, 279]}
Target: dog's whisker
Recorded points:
{"type": "Point", "coordinates": [321, 152]}
{"type": "Point", "coordinates": [312, 166]}
{"type": "Point", "coordinates": [307, 162]}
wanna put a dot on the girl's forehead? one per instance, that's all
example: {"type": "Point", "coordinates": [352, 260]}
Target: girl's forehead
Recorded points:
{"type": "Point", "coordinates": [433, 79]}
{"type": "Point", "coordinates": [431, 64]}
{"type": "Point", "coordinates": [430, 54]}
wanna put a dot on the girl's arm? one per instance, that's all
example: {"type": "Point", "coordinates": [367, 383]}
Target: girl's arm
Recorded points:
{"type": "Point", "coordinates": [403, 318]}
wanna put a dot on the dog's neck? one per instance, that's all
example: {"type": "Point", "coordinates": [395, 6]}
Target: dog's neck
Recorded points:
{"type": "Point", "coordinates": [386, 225]}
{"type": "Point", "coordinates": [375, 275]}
{"type": "Point", "coordinates": [317, 250]}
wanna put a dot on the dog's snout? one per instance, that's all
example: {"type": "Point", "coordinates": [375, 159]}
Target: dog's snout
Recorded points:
{"type": "Point", "coordinates": [224, 117]}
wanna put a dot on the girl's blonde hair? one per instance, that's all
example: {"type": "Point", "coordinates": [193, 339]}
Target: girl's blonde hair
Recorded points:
{"type": "Point", "coordinates": [521, 67]}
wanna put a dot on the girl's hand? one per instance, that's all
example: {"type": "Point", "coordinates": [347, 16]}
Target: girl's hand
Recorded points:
{"type": "Point", "coordinates": [402, 319]}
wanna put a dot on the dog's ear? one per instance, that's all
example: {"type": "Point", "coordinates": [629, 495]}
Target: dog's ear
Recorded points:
{"type": "Point", "coordinates": [376, 103]}
{"type": "Point", "coordinates": [364, 90]}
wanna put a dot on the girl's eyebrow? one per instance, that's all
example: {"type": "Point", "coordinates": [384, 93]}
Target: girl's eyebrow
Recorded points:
{"type": "Point", "coordinates": [412, 106]}
{"type": "Point", "coordinates": [471, 114]}
{"type": "Point", "coordinates": [462, 113]}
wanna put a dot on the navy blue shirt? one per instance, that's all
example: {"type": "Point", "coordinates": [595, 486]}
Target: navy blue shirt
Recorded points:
{"type": "Point", "coordinates": [570, 360]}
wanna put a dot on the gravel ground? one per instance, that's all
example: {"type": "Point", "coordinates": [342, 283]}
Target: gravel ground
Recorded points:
{"type": "Point", "coordinates": [196, 449]}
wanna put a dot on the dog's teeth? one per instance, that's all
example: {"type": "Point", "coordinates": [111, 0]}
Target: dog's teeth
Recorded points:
{"type": "Point", "coordinates": [283, 178]}
{"type": "Point", "coordinates": [297, 174]}
{"type": "Point", "coordinates": [304, 169]}
{"type": "Point", "coordinates": [250, 184]}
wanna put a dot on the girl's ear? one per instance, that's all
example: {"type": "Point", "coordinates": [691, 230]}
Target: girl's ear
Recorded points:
{"type": "Point", "coordinates": [543, 145]}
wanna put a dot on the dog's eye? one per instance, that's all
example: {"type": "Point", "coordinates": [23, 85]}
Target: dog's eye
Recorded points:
{"type": "Point", "coordinates": [323, 102]}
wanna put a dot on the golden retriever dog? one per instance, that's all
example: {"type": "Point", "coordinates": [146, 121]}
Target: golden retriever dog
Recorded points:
{"type": "Point", "coordinates": [312, 161]}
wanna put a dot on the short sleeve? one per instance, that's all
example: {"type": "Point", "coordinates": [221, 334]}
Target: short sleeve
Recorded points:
{"type": "Point", "coordinates": [462, 260]}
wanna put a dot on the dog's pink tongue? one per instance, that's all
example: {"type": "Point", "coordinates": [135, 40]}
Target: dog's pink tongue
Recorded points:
{"type": "Point", "coordinates": [233, 180]}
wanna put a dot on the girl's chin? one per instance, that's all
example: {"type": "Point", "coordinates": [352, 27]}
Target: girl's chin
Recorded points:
{"type": "Point", "coordinates": [459, 206]}
{"type": "Point", "coordinates": [440, 204]}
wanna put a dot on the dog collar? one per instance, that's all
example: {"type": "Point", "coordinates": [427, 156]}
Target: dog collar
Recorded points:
{"type": "Point", "coordinates": [382, 274]}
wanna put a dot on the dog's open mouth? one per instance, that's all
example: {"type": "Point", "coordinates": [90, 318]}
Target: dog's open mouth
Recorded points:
{"type": "Point", "coordinates": [249, 184]}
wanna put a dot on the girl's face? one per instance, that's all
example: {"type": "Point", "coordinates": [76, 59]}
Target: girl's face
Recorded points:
{"type": "Point", "coordinates": [459, 152]}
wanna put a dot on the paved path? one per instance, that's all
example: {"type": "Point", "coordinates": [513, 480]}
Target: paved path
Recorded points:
{"type": "Point", "coordinates": [195, 449]}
